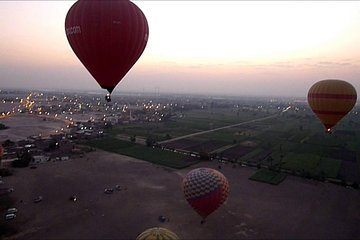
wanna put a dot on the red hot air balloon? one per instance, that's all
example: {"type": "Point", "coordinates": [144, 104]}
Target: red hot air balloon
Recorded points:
{"type": "Point", "coordinates": [1, 151]}
{"type": "Point", "coordinates": [205, 189]}
{"type": "Point", "coordinates": [108, 37]}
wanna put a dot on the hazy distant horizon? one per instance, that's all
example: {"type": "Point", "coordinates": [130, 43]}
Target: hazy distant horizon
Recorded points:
{"type": "Point", "coordinates": [103, 92]}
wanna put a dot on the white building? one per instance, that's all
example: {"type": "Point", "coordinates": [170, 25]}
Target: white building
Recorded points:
{"type": "Point", "coordinates": [40, 159]}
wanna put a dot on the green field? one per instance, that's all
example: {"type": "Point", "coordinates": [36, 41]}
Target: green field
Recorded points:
{"type": "Point", "coordinates": [191, 122]}
{"type": "Point", "coordinates": [150, 154]}
{"type": "Point", "coordinates": [248, 157]}
{"type": "Point", "coordinates": [329, 167]}
{"type": "Point", "coordinates": [293, 141]}
{"type": "Point", "coordinates": [301, 162]}
{"type": "Point", "coordinates": [268, 176]}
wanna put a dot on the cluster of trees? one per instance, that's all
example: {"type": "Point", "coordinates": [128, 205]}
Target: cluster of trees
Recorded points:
{"type": "Point", "coordinates": [24, 160]}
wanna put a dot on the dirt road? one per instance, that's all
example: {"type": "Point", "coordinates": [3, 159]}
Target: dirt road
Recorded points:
{"type": "Point", "coordinates": [219, 128]}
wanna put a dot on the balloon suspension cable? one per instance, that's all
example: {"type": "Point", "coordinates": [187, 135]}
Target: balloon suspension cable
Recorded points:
{"type": "Point", "coordinates": [108, 98]}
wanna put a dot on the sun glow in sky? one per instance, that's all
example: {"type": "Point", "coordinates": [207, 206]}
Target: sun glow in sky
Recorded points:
{"type": "Point", "coordinates": [226, 47]}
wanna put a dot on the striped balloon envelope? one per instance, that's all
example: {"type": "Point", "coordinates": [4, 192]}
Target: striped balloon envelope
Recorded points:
{"type": "Point", "coordinates": [331, 100]}
{"type": "Point", "coordinates": [157, 233]}
{"type": "Point", "coordinates": [205, 189]}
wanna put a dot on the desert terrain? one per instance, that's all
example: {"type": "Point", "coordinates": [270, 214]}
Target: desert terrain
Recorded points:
{"type": "Point", "coordinates": [20, 126]}
{"type": "Point", "coordinates": [295, 209]}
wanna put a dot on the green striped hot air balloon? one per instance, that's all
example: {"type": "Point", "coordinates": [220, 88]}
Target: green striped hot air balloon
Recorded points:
{"type": "Point", "coordinates": [157, 233]}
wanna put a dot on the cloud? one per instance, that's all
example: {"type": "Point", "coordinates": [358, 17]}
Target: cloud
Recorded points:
{"type": "Point", "coordinates": [333, 64]}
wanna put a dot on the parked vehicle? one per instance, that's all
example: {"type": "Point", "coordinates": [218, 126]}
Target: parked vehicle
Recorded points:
{"type": "Point", "coordinates": [38, 199]}
{"type": "Point", "coordinates": [10, 216]}
{"type": "Point", "coordinates": [11, 210]}
{"type": "Point", "coordinates": [108, 190]}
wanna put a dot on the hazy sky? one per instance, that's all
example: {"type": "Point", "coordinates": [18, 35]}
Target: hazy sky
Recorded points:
{"type": "Point", "coordinates": [235, 47]}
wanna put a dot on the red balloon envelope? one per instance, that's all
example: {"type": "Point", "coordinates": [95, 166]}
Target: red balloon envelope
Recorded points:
{"type": "Point", "coordinates": [1, 151]}
{"type": "Point", "coordinates": [205, 189]}
{"type": "Point", "coordinates": [108, 37]}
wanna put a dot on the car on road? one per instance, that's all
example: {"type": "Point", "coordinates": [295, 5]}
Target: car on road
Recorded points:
{"type": "Point", "coordinates": [11, 210]}
{"type": "Point", "coordinates": [10, 190]}
{"type": "Point", "coordinates": [10, 216]}
{"type": "Point", "coordinates": [108, 190]}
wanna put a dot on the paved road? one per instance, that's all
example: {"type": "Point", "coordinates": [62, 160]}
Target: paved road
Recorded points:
{"type": "Point", "coordinates": [224, 127]}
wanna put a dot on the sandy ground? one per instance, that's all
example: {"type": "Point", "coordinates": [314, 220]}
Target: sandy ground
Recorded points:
{"type": "Point", "coordinates": [295, 209]}
{"type": "Point", "coordinates": [21, 126]}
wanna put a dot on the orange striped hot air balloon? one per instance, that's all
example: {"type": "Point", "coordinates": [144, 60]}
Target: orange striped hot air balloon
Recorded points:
{"type": "Point", "coordinates": [331, 100]}
{"type": "Point", "coordinates": [205, 189]}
